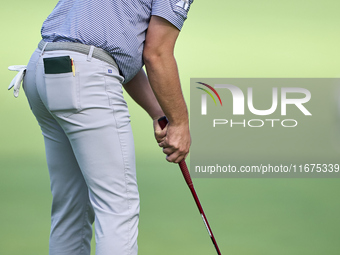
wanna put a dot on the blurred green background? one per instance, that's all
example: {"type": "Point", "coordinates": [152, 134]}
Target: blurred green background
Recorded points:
{"type": "Point", "coordinates": [291, 38]}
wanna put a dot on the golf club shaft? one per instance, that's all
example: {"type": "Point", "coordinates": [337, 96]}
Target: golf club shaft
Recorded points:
{"type": "Point", "coordinates": [183, 166]}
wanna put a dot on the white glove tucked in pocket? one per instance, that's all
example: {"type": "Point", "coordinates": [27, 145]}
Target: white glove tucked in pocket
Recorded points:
{"type": "Point", "coordinates": [16, 82]}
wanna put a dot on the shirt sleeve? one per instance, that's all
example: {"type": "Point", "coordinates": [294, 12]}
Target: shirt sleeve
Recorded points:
{"type": "Point", "coordinates": [174, 11]}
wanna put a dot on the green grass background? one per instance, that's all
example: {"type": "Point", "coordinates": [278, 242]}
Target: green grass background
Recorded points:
{"type": "Point", "coordinates": [291, 38]}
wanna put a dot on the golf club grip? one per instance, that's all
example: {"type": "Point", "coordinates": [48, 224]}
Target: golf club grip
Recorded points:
{"type": "Point", "coordinates": [185, 172]}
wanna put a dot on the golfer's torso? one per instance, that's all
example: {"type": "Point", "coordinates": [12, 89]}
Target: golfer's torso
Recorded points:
{"type": "Point", "coordinates": [117, 26]}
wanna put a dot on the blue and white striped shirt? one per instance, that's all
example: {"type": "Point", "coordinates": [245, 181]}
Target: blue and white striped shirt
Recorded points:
{"type": "Point", "coordinates": [117, 26]}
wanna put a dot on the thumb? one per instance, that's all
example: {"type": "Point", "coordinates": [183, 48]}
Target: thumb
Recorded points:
{"type": "Point", "coordinates": [160, 133]}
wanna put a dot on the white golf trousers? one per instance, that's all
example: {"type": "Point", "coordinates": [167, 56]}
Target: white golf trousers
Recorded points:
{"type": "Point", "coordinates": [90, 155]}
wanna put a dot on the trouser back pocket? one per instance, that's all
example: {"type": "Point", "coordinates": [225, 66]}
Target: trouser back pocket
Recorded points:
{"type": "Point", "coordinates": [62, 88]}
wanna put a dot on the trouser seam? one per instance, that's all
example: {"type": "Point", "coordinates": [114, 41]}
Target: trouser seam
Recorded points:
{"type": "Point", "coordinates": [84, 226]}
{"type": "Point", "coordinates": [127, 191]}
{"type": "Point", "coordinates": [126, 164]}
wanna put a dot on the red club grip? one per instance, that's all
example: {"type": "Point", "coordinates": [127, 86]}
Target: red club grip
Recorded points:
{"type": "Point", "coordinates": [185, 172]}
{"type": "Point", "coordinates": [162, 123]}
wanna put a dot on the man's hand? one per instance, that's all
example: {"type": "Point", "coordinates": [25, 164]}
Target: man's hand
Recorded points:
{"type": "Point", "coordinates": [176, 142]}
{"type": "Point", "coordinates": [173, 140]}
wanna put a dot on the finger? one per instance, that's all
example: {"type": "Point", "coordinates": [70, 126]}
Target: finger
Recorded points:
{"type": "Point", "coordinates": [160, 136]}
{"type": "Point", "coordinates": [159, 140]}
{"type": "Point", "coordinates": [175, 157]}
{"type": "Point", "coordinates": [168, 150]}
{"type": "Point", "coordinates": [163, 143]}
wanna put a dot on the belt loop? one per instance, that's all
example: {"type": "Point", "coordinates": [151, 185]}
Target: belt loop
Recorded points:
{"type": "Point", "coordinates": [89, 56]}
{"type": "Point", "coordinates": [43, 49]}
